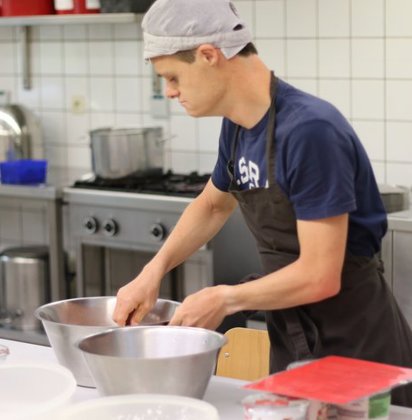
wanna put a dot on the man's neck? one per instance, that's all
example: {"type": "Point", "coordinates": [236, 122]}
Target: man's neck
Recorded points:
{"type": "Point", "coordinates": [248, 97]}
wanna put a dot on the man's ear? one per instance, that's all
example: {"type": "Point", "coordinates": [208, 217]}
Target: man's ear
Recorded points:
{"type": "Point", "coordinates": [208, 53]}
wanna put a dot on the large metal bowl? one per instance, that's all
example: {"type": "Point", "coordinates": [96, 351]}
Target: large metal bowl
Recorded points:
{"type": "Point", "coordinates": [68, 321]}
{"type": "Point", "coordinates": [162, 359]}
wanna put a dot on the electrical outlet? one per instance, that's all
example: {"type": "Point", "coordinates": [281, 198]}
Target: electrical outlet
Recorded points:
{"type": "Point", "coordinates": [78, 104]}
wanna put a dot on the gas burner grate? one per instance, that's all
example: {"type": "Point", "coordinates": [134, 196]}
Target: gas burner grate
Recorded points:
{"type": "Point", "coordinates": [169, 183]}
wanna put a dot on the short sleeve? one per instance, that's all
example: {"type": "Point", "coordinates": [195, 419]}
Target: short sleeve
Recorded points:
{"type": "Point", "coordinates": [319, 171]}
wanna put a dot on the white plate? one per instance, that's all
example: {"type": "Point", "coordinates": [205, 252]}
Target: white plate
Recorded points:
{"type": "Point", "coordinates": [29, 391]}
{"type": "Point", "coordinates": [141, 407]}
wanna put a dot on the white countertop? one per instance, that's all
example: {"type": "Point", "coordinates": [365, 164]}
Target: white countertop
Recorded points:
{"type": "Point", "coordinates": [224, 393]}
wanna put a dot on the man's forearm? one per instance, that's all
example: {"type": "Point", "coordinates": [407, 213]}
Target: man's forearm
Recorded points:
{"type": "Point", "coordinates": [198, 224]}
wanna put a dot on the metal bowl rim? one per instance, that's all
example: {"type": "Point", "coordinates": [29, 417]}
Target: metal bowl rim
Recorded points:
{"type": "Point", "coordinates": [112, 330]}
{"type": "Point", "coordinates": [37, 312]}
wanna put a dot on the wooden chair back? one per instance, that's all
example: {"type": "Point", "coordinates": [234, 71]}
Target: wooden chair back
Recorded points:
{"type": "Point", "coordinates": [246, 354]}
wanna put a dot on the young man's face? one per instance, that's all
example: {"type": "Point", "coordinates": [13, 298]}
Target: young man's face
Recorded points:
{"type": "Point", "coordinates": [197, 86]}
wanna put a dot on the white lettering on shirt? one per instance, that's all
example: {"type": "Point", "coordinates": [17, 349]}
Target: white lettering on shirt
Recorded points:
{"type": "Point", "coordinates": [249, 173]}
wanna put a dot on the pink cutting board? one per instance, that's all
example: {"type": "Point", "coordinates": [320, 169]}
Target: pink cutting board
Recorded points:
{"type": "Point", "coordinates": [335, 380]}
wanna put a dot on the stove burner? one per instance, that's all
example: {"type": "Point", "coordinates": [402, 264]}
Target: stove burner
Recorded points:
{"type": "Point", "coordinates": [169, 183]}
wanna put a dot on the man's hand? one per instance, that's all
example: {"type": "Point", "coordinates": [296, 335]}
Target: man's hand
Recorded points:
{"type": "Point", "coordinates": [137, 298]}
{"type": "Point", "coordinates": [206, 308]}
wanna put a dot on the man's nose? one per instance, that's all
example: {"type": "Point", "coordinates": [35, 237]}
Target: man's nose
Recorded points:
{"type": "Point", "coordinates": [171, 93]}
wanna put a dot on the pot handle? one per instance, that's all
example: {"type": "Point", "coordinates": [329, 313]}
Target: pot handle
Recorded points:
{"type": "Point", "coordinates": [165, 139]}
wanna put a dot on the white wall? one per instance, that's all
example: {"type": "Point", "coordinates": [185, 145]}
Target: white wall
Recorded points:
{"type": "Point", "coordinates": [355, 53]}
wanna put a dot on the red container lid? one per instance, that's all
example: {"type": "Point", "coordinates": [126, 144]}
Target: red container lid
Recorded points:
{"type": "Point", "coordinates": [27, 8]}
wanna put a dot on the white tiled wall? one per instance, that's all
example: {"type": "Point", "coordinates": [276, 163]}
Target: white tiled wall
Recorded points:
{"type": "Point", "coordinates": [354, 53]}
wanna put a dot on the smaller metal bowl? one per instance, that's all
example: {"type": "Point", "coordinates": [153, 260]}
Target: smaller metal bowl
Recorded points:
{"type": "Point", "coordinates": [144, 360]}
{"type": "Point", "coordinates": [68, 321]}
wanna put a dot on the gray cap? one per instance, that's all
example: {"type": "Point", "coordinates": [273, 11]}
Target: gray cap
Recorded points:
{"type": "Point", "coordinates": [171, 26]}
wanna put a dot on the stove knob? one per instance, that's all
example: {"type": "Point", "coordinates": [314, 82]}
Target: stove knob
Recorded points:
{"type": "Point", "coordinates": [158, 231]}
{"type": "Point", "coordinates": [90, 224]}
{"type": "Point", "coordinates": [110, 227]}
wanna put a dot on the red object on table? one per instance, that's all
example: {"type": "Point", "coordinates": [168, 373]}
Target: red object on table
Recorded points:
{"type": "Point", "coordinates": [335, 380]}
{"type": "Point", "coordinates": [27, 8]}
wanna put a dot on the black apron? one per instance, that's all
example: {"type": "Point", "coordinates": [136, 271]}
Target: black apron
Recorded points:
{"type": "Point", "coordinates": [363, 321]}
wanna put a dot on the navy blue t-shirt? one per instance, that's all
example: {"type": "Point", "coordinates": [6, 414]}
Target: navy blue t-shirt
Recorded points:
{"type": "Point", "coordinates": [321, 166]}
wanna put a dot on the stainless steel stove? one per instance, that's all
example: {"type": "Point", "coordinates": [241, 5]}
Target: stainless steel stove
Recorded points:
{"type": "Point", "coordinates": [114, 227]}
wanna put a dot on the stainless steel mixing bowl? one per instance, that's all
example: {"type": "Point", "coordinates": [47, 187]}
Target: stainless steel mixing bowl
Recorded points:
{"type": "Point", "coordinates": [161, 360]}
{"type": "Point", "coordinates": [68, 321]}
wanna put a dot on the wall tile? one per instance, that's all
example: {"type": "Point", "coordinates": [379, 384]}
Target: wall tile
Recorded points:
{"type": "Point", "coordinates": [399, 58]}
{"type": "Point", "coordinates": [184, 130]}
{"type": "Point", "coordinates": [9, 84]}
{"type": "Point", "coordinates": [379, 169]}
{"type": "Point", "coordinates": [272, 52]}
{"type": "Point", "coordinates": [128, 94]}
{"type": "Point", "coordinates": [57, 155]}
{"type": "Point", "coordinates": [54, 127]}
{"type": "Point", "coordinates": [399, 100]}
{"type": "Point", "coordinates": [101, 60]}
{"type": "Point", "coordinates": [52, 92]}
{"type": "Point", "coordinates": [368, 17]}
{"type": "Point", "coordinates": [372, 136]}
{"type": "Point", "coordinates": [102, 94]}
{"type": "Point", "coordinates": [77, 87]}
{"type": "Point", "coordinates": [48, 33]}
{"type": "Point", "coordinates": [398, 18]}
{"type": "Point", "coordinates": [301, 58]}
{"type": "Point", "coordinates": [334, 18]}
{"type": "Point", "coordinates": [7, 33]}
{"type": "Point", "coordinates": [100, 119]}
{"type": "Point", "coordinates": [8, 58]}
{"type": "Point", "coordinates": [31, 97]}
{"type": "Point", "coordinates": [127, 31]}
{"type": "Point", "coordinates": [334, 58]}
{"type": "Point", "coordinates": [368, 99]}
{"type": "Point", "coordinates": [100, 32]}
{"type": "Point", "coordinates": [207, 162]}
{"type": "Point", "coordinates": [75, 58]}
{"type": "Point", "coordinates": [399, 174]}
{"type": "Point", "coordinates": [301, 18]}
{"type": "Point", "coordinates": [51, 58]}
{"type": "Point", "coordinates": [183, 162]}
{"type": "Point", "coordinates": [270, 22]}
{"type": "Point", "coordinates": [367, 58]}
{"type": "Point", "coordinates": [79, 157]}
{"type": "Point", "coordinates": [128, 120]}
{"type": "Point", "coordinates": [399, 142]}
{"type": "Point", "coordinates": [127, 60]}
{"type": "Point", "coordinates": [208, 134]}
{"type": "Point", "coordinates": [75, 32]}
{"type": "Point", "coordinates": [77, 127]}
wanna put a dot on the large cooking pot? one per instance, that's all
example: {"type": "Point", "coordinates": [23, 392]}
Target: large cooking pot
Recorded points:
{"type": "Point", "coordinates": [118, 152]}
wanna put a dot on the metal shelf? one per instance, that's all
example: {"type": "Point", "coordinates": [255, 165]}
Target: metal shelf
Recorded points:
{"type": "Point", "coordinates": [75, 19]}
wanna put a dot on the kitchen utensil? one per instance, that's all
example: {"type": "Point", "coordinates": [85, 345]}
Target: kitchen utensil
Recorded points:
{"type": "Point", "coordinates": [161, 359]}
{"type": "Point", "coordinates": [144, 407]}
{"type": "Point", "coordinates": [24, 282]}
{"type": "Point", "coordinates": [120, 152]}
{"type": "Point", "coordinates": [19, 131]}
{"type": "Point", "coordinates": [274, 407]}
{"type": "Point", "coordinates": [23, 172]}
{"type": "Point", "coordinates": [70, 320]}
{"type": "Point", "coordinates": [31, 391]}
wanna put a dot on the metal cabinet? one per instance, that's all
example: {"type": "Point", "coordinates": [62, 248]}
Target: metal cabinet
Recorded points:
{"type": "Point", "coordinates": [397, 257]}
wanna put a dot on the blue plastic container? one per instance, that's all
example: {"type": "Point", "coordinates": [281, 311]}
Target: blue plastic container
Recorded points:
{"type": "Point", "coordinates": [23, 172]}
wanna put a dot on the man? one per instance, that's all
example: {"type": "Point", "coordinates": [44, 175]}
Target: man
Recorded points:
{"type": "Point", "coordinates": [304, 184]}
